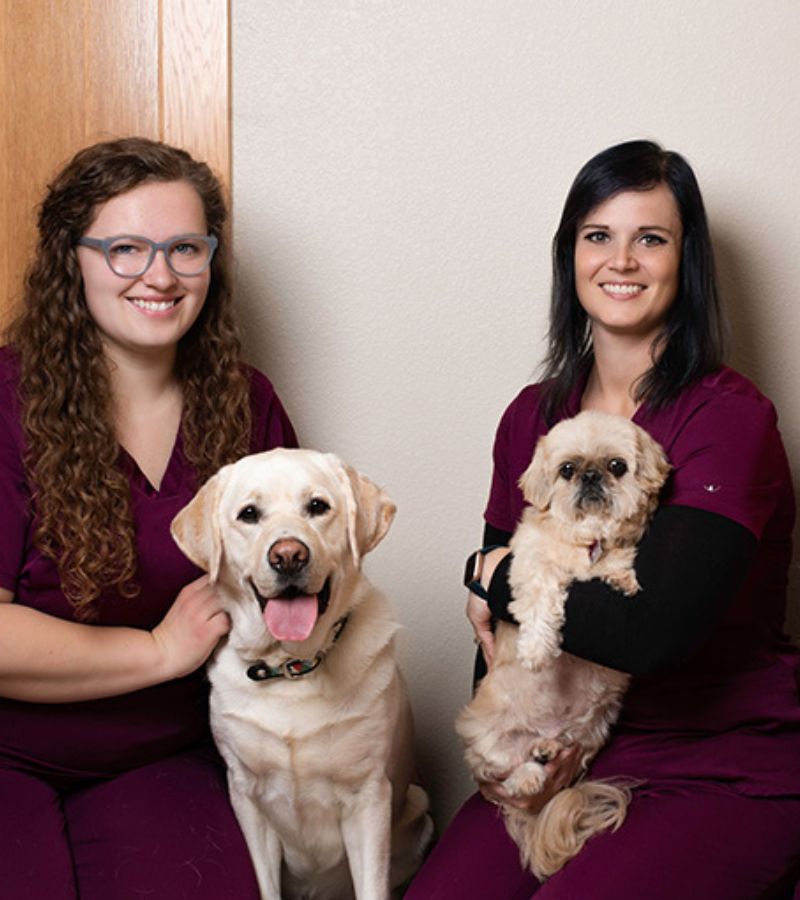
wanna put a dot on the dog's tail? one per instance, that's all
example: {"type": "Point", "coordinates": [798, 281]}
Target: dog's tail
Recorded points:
{"type": "Point", "coordinates": [549, 840]}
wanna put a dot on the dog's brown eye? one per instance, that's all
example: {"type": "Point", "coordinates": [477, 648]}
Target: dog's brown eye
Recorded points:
{"type": "Point", "coordinates": [249, 514]}
{"type": "Point", "coordinates": [566, 471]}
{"type": "Point", "coordinates": [317, 506]}
{"type": "Point", "coordinates": [617, 467]}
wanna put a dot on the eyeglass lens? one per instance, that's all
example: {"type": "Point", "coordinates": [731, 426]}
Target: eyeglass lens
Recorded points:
{"type": "Point", "coordinates": [130, 256]}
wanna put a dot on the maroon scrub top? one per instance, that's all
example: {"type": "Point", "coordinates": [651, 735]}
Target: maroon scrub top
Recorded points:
{"type": "Point", "coordinates": [103, 737]}
{"type": "Point", "coordinates": [731, 712]}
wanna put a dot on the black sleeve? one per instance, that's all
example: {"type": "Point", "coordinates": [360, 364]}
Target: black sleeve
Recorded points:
{"type": "Point", "coordinates": [495, 536]}
{"type": "Point", "coordinates": [690, 564]}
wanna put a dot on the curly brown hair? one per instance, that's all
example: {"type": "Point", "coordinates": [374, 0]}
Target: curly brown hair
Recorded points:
{"type": "Point", "coordinates": [81, 496]}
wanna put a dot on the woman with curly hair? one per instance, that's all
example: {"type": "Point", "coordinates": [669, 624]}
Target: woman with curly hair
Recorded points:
{"type": "Point", "coordinates": [121, 390]}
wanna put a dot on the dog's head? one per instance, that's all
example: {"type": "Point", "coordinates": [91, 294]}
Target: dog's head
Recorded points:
{"type": "Point", "coordinates": [282, 531]}
{"type": "Point", "coordinates": [598, 465]}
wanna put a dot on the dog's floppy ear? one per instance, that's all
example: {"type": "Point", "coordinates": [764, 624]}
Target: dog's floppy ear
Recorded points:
{"type": "Point", "coordinates": [652, 466]}
{"type": "Point", "coordinates": [196, 528]}
{"type": "Point", "coordinates": [369, 510]}
{"type": "Point", "coordinates": [535, 482]}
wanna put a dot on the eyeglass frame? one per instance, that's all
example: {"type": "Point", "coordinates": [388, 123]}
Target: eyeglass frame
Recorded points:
{"type": "Point", "coordinates": [105, 244]}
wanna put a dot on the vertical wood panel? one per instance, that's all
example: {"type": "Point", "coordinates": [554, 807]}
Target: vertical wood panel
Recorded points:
{"type": "Point", "coordinates": [76, 71]}
{"type": "Point", "coordinates": [42, 124]}
{"type": "Point", "coordinates": [196, 79]}
{"type": "Point", "coordinates": [120, 65]}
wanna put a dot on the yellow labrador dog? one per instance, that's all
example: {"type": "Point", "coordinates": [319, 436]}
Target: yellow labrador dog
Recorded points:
{"type": "Point", "coordinates": [308, 707]}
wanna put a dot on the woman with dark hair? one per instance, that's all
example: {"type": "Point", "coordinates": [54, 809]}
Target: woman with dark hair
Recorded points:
{"type": "Point", "coordinates": [121, 390]}
{"type": "Point", "coordinates": [710, 728]}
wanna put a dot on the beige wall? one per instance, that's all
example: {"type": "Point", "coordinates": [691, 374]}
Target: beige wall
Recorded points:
{"type": "Point", "coordinates": [399, 167]}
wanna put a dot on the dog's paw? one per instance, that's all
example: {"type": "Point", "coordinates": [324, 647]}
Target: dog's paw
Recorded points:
{"type": "Point", "coordinates": [526, 780]}
{"type": "Point", "coordinates": [544, 750]}
{"type": "Point", "coordinates": [625, 582]}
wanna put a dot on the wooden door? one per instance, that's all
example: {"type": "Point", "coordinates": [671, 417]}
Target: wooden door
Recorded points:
{"type": "Point", "coordinates": [73, 72]}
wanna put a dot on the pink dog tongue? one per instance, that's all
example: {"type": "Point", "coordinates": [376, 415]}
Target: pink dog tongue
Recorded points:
{"type": "Point", "coordinates": [291, 620]}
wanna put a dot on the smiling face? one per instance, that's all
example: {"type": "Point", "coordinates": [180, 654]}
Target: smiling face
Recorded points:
{"type": "Point", "coordinates": [627, 262]}
{"type": "Point", "coordinates": [151, 313]}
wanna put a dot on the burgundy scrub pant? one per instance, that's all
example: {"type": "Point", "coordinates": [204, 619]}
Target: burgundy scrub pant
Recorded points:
{"type": "Point", "coordinates": [164, 831]}
{"type": "Point", "coordinates": [679, 842]}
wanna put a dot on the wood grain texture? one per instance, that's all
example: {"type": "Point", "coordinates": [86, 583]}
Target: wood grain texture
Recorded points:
{"type": "Point", "coordinates": [73, 72]}
{"type": "Point", "coordinates": [195, 89]}
{"type": "Point", "coordinates": [39, 129]}
{"type": "Point", "coordinates": [121, 83]}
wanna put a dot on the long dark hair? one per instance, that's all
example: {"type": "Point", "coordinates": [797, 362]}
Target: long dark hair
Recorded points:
{"type": "Point", "coordinates": [691, 343]}
{"type": "Point", "coordinates": [80, 494]}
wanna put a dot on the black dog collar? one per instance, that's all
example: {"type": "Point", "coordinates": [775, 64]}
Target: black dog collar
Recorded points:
{"type": "Point", "coordinates": [292, 668]}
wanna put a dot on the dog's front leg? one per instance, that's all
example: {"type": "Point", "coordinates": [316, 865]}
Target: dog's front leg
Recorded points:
{"type": "Point", "coordinates": [262, 842]}
{"type": "Point", "coordinates": [367, 829]}
{"type": "Point", "coordinates": [539, 609]}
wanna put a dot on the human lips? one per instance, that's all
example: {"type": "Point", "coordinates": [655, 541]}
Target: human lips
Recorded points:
{"type": "Point", "coordinates": [622, 288]}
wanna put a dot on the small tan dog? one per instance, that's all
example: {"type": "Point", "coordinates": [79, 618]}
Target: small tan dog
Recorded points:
{"type": "Point", "coordinates": [308, 707]}
{"type": "Point", "coordinates": [592, 487]}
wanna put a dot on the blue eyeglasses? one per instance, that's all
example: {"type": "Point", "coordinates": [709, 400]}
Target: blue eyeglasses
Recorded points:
{"type": "Point", "coordinates": [130, 255]}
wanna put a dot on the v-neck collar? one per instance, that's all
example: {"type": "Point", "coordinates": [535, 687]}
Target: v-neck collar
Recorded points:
{"type": "Point", "coordinates": [171, 480]}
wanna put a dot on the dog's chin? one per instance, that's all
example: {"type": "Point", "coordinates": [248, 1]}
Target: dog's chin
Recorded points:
{"type": "Point", "coordinates": [593, 506]}
{"type": "Point", "coordinates": [594, 500]}
{"type": "Point", "coordinates": [612, 510]}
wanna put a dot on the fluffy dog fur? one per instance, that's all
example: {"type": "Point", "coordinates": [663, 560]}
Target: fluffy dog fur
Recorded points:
{"type": "Point", "coordinates": [592, 486]}
{"type": "Point", "coordinates": [319, 766]}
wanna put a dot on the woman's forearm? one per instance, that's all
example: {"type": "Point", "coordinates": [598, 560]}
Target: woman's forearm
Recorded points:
{"type": "Point", "coordinates": [690, 565]}
{"type": "Point", "coordinates": [49, 660]}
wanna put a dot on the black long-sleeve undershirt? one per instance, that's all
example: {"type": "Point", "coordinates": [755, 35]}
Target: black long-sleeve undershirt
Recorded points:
{"type": "Point", "coordinates": [690, 564]}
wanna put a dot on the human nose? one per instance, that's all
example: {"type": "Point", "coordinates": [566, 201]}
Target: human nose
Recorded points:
{"type": "Point", "coordinates": [622, 257]}
{"type": "Point", "coordinates": [158, 273]}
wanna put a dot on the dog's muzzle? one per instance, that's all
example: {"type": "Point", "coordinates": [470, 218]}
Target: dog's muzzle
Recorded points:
{"type": "Point", "coordinates": [591, 491]}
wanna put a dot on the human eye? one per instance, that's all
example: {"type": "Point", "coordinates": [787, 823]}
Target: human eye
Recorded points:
{"type": "Point", "coordinates": [127, 247]}
{"type": "Point", "coordinates": [652, 240]}
{"type": "Point", "coordinates": [596, 237]}
{"type": "Point", "coordinates": [187, 247]}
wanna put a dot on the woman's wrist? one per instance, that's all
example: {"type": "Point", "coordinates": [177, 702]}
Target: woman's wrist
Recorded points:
{"type": "Point", "coordinates": [473, 571]}
{"type": "Point", "coordinates": [490, 563]}
{"type": "Point", "coordinates": [481, 566]}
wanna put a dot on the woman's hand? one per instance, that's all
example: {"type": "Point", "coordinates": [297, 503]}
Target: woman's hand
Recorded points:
{"type": "Point", "coordinates": [480, 617]}
{"type": "Point", "coordinates": [561, 772]}
{"type": "Point", "coordinates": [478, 612]}
{"type": "Point", "coordinates": [191, 629]}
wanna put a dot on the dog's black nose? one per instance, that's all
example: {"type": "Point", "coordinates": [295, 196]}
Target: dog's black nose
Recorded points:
{"type": "Point", "coordinates": [288, 556]}
{"type": "Point", "coordinates": [591, 477]}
